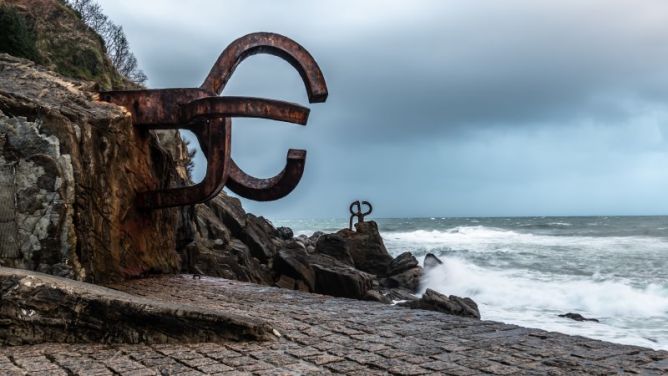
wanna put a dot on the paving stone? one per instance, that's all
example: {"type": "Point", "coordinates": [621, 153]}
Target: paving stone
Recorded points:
{"type": "Point", "coordinates": [324, 335]}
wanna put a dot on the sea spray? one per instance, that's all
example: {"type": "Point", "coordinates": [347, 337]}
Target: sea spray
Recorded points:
{"type": "Point", "coordinates": [527, 271]}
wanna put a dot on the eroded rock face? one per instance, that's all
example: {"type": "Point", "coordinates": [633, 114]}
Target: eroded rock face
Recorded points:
{"type": "Point", "coordinates": [431, 262]}
{"type": "Point", "coordinates": [335, 246]}
{"type": "Point", "coordinates": [367, 248]}
{"type": "Point", "coordinates": [70, 167]}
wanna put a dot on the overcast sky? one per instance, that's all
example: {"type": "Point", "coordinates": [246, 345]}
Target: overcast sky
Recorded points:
{"type": "Point", "coordinates": [439, 108]}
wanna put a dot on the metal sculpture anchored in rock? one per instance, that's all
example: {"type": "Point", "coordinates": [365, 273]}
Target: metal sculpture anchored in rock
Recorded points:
{"type": "Point", "coordinates": [358, 212]}
{"type": "Point", "coordinates": [209, 116]}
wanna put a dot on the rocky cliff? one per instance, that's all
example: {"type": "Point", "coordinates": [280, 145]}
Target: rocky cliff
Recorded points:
{"type": "Point", "coordinates": [70, 167]}
{"type": "Point", "coordinates": [69, 170]}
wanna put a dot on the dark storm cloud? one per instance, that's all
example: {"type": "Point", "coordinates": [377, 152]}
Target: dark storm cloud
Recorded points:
{"type": "Point", "coordinates": [477, 107]}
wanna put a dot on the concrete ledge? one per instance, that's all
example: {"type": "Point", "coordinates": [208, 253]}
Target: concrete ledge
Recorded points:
{"type": "Point", "coordinates": [37, 308]}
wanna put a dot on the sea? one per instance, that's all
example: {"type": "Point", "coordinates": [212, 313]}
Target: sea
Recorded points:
{"type": "Point", "coordinates": [528, 270]}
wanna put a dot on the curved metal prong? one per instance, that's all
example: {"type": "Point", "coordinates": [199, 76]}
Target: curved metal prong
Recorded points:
{"type": "Point", "coordinates": [352, 205]}
{"type": "Point", "coordinates": [352, 213]}
{"type": "Point", "coordinates": [367, 203]}
{"type": "Point", "coordinates": [214, 139]}
{"type": "Point", "coordinates": [272, 188]}
{"type": "Point", "coordinates": [273, 44]}
{"type": "Point", "coordinates": [245, 107]}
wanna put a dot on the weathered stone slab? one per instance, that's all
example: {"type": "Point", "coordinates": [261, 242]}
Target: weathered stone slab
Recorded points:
{"type": "Point", "coordinates": [36, 308]}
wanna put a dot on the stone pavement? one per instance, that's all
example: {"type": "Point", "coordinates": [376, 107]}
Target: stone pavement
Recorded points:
{"type": "Point", "coordinates": [317, 334]}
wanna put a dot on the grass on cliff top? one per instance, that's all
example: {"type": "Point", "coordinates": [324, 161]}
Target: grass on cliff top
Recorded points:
{"type": "Point", "coordinates": [17, 34]}
{"type": "Point", "coordinates": [50, 33]}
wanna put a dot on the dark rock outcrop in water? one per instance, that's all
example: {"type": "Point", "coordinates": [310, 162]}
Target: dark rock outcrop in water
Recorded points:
{"type": "Point", "coordinates": [335, 246]}
{"type": "Point", "coordinates": [367, 248]}
{"type": "Point", "coordinates": [577, 317]}
{"type": "Point", "coordinates": [431, 261]}
{"type": "Point", "coordinates": [454, 305]}
{"type": "Point", "coordinates": [39, 308]}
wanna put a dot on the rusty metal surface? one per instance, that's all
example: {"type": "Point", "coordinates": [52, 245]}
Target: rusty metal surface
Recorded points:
{"type": "Point", "coordinates": [358, 212]}
{"type": "Point", "coordinates": [209, 117]}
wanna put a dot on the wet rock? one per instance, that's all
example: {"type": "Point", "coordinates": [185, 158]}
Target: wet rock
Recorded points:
{"type": "Point", "coordinates": [577, 317]}
{"type": "Point", "coordinates": [402, 263]}
{"type": "Point", "coordinates": [321, 273]}
{"type": "Point", "coordinates": [258, 235]}
{"type": "Point", "coordinates": [337, 279]}
{"type": "Point", "coordinates": [335, 246]}
{"type": "Point", "coordinates": [409, 279]}
{"type": "Point", "coordinates": [367, 248]}
{"type": "Point", "coordinates": [39, 308]}
{"type": "Point", "coordinates": [399, 294]}
{"type": "Point", "coordinates": [293, 261]}
{"type": "Point", "coordinates": [431, 261]}
{"type": "Point", "coordinates": [234, 261]}
{"type": "Point", "coordinates": [377, 296]}
{"type": "Point", "coordinates": [229, 210]}
{"type": "Point", "coordinates": [454, 305]}
{"type": "Point", "coordinates": [314, 237]}
{"type": "Point", "coordinates": [285, 233]}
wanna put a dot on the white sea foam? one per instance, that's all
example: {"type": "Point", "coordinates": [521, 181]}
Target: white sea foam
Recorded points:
{"type": "Point", "coordinates": [482, 239]}
{"type": "Point", "coordinates": [628, 314]}
{"type": "Point", "coordinates": [562, 224]}
{"type": "Point", "coordinates": [531, 270]}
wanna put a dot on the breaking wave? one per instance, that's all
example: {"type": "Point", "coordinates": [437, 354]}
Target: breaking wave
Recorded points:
{"type": "Point", "coordinates": [627, 314]}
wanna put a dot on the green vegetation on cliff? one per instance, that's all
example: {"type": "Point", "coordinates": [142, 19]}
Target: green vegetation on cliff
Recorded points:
{"type": "Point", "coordinates": [51, 33]}
{"type": "Point", "coordinates": [17, 34]}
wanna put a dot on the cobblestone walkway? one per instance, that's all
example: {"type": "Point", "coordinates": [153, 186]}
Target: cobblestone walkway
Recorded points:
{"type": "Point", "coordinates": [322, 335]}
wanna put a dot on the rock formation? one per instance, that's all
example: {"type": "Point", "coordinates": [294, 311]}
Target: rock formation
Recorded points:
{"type": "Point", "coordinates": [577, 317]}
{"type": "Point", "coordinates": [70, 170]}
{"type": "Point", "coordinates": [39, 308]}
{"type": "Point", "coordinates": [454, 305]}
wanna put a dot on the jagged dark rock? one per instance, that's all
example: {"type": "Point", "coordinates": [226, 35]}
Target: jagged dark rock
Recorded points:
{"type": "Point", "coordinates": [320, 273]}
{"type": "Point", "coordinates": [367, 248]}
{"type": "Point", "coordinates": [336, 246]}
{"type": "Point", "coordinates": [338, 279]}
{"type": "Point", "coordinates": [454, 305]}
{"type": "Point", "coordinates": [431, 261]}
{"type": "Point", "coordinates": [577, 317]}
{"type": "Point", "coordinates": [314, 237]}
{"type": "Point", "coordinates": [400, 294]}
{"type": "Point", "coordinates": [408, 279]}
{"type": "Point", "coordinates": [293, 262]}
{"type": "Point", "coordinates": [229, 210]}
{"type": "Point", "coordinates": [40, 308]}
{"type": "Point", "coordinates": [401, 263]}
{"type": "Point", "coordinates": [285, 233]}
{"type": "Point", "coordinates": [377, 296]}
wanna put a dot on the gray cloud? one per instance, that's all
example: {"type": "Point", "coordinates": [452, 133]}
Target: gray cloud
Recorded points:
{"type": "Point", "coordinates": [441, 108]}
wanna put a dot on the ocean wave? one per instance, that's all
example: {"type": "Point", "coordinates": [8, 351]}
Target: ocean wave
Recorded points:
{"type": "Point", "coordinates": [483, 239]}
{"type": "Point", "coordinates": [560, 224]}
{"type": "Point", "coordinates": [628, 314]}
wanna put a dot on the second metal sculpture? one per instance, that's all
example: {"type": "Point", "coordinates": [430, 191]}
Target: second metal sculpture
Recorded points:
{"type": "Point", "coordinates": [209, 116]}
{"type": "Point", "coordinates": [358, 212]}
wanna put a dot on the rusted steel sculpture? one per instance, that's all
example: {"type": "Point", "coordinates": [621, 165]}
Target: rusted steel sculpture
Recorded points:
{"type": "Point", "coordinates": [358, 212]}
{"type": "Point", "coordinates": [209, 116]}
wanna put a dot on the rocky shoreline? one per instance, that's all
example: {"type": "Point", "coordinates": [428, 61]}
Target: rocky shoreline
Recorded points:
{"type": "Point", "coordinates": [71, 166]}
{"type": "Point", "coordinates": [322, 335]}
